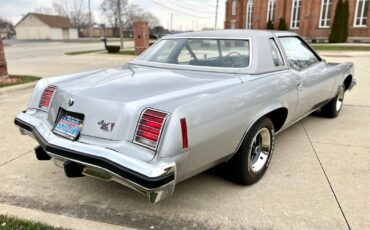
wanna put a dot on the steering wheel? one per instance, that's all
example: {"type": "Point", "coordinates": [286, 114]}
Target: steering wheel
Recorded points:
{"type": "Point", "coordinates": [234, 52]}
{"type": "Point", "coordinates": [228, 55]}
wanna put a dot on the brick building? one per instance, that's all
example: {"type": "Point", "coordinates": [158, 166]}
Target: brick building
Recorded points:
{"type": "Point", "coordinates": [311, 19]}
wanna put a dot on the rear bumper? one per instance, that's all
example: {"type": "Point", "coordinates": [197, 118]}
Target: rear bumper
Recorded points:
{"type": "Point", "coordinates": [155, 181]}
{"type": "Point", "coordinates": [353, 84]}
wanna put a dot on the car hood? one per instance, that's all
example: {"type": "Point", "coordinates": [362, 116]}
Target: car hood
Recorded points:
{"type": "Point", "coordinates": [119, 95]}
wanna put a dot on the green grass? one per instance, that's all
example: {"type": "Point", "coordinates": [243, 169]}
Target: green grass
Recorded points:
{"type": "Point", "coordinates": [13, 223]}
{"type": "Point", "coordinates": [322, 47]}
{"type": "Point", "coordinates": [122, 52]}
{"type": "Point", "coordinates": [127, 52]}
{"type": "Point", "coordinates": [21, 80]}
{"type": "Point", "coordinates": [83, 52]}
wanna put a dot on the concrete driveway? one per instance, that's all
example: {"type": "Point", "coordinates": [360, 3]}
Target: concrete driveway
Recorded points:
{"type": "Point", "coordinates": [319, 178]}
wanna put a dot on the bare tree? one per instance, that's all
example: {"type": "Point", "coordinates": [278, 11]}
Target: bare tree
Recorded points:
{"type": "Point", "coordinates": [135, 13]}
{"type": "Point", "coordinates": [110, 11]}
{"type": "Point", "coordinates": [77, 12]}
{"type": "Point", "coordinates": [130, 13]}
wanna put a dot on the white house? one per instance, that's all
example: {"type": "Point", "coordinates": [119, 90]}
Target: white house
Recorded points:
{"type": "Point", "coordinates": [36, 26]}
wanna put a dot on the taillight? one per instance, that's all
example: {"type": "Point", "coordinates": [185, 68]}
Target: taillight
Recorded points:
{"type": "Point", "coordinates": [149, 129]}
{"type": "Point", "coordinates": [46, 97]}
{"type": "Point", "coordinates": [184, 132]}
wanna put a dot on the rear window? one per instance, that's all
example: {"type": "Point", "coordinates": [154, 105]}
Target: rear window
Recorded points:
{"type": "Point", "coordinates": [229, 53]}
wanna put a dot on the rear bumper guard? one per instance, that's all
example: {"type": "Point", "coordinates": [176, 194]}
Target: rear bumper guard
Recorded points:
{"type": "Point", "coordinates": [155, 182]}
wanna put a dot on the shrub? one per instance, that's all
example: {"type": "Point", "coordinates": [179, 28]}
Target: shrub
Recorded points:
{"type": "Point", "coordinates": [113, 49]}
{"type": "Point", "coordinates": [282, 24]}
{"type": "Point", "coordinates": [270, 25]}
{"type": "Point", "coordinates": [339, 29]}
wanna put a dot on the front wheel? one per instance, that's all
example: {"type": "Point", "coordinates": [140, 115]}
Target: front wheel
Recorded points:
{"type": "Point", "coordinates": [253, 157]}
{"type": "Point", "coordinates": [333, 108]}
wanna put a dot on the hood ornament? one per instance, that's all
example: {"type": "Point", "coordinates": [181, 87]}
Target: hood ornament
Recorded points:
{"type": "Point", "coordinates": [71, 101]}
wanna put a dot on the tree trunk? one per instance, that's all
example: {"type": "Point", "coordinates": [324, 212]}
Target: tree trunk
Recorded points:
{"type": "Point", "coordinates": [3, 65]}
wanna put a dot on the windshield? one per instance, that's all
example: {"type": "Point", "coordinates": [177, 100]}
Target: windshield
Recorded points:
{"type": "Point", "coordinates": [229, 53]}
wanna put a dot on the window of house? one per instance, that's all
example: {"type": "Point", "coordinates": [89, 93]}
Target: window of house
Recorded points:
{"type": "Point", "coordinates": [325, 14]}
{"type": "Point", "coordinates": [233, 7]}
{"type": "Point", "coordinates": [362, 10]}
{"type": "Point", "coordinates": [249, 14]}
{"type": "Point", "coordinates": [296, 13]}
{"type": "Point", "coordinates": [276, 55]}
{"type": "Point", "coordinates": [271, 6]}
{"type": "Point", "coordinates": [298, 54]}
{"type": "Point", "coordinates": [233, 24]}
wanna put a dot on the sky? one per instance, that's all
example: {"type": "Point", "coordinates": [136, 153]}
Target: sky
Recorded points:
{"type": "Point", "coordinates": [186, 14]}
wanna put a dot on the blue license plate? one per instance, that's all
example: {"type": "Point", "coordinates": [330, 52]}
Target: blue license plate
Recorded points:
{"type": "Point", "coordinates": [68, 127]}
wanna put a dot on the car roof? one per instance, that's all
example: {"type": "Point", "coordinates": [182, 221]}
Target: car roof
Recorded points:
{"type": "Point", "coordinates": [232, 33]}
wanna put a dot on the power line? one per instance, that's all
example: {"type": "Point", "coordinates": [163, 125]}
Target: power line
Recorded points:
{"type": "Point", "coordinates": [183, 13]}
{"type": "Point", "coordinates": [188, 8]}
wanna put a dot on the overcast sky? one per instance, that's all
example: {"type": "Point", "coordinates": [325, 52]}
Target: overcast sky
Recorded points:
{"type": "Point", "coordinates": [187, 14]}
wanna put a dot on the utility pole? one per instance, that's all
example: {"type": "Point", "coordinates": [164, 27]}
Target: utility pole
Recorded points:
{"type": "Point", "coordinates": [216, 14]}
{"type": "Point", "coordinates": [171, 21]}
{"type": "Point", "coordinates": [90, 25]}
{"type": "Point", "coordinates": [120, 22]}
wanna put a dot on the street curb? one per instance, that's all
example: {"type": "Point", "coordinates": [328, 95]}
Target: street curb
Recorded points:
{"type": "Point", "coordinates": [55, 220]}
{"type": "Point", "coordinates": [12, 89]}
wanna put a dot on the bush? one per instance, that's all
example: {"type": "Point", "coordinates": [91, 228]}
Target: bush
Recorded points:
{"type": "Point", "coordinates": [282, 24]}
{"type": "Point", "coordinates": [113, 49]}
{"type": "Point", "coordinates": [339, 29]}
{"type": "Point", "coordinates": [270, 25]}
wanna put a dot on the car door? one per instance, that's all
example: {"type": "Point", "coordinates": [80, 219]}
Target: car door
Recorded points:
{"type": "Point", "coordinates": [314, 81]}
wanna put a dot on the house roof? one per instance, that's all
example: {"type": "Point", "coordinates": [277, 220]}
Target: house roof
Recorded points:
{"type": "Point", "coordinates": [51, 20]}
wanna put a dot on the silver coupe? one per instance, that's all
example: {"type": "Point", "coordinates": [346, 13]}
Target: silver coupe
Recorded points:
{"type": "Point", "coordinates": [190, 102]}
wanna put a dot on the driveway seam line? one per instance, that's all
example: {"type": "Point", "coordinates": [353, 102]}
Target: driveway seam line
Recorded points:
{"type": "Point", "coordinates": [13, 159]}
{"type": "Point", "coordinates": [327, 178]}
{"type": "Point", "coordinates": [352, 146]}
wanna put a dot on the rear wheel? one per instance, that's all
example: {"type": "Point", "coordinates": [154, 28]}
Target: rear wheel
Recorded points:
{"type": "Point", "coordinates": [253, 157]}
{"type": "Point", "coordinates": [333, 108]}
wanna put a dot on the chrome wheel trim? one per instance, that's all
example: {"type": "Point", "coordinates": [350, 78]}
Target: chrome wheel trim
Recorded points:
{"type": "Point", "coordinates": [260, 150]}
{"type": "Point", "coordinates": [340, 99]}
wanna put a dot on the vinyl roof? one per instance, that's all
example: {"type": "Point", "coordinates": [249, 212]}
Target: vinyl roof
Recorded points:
{"type": "Point", "coordinates": [232, 33]}
{"type": "Point", "coordinates": [51, 20]}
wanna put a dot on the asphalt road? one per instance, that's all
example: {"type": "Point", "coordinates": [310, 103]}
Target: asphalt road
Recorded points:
{"type": "Point", "coordinates": [45, 59]}
{"type": "Point", "coordinates": [319, 177]}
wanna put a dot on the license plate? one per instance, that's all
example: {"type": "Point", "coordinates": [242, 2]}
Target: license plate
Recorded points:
{"type": "Point", "coordinates": [68, 127]}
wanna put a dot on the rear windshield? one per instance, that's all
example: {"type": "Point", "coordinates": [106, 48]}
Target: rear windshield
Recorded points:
{"type": "Point", "coordinates": [227, 53]}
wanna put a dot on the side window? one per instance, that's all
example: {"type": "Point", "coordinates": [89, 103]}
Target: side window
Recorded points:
{"type": "Point", "coordinates": [276, 55]}
{"type": "Point", "coordinates": [204, 49]}
{"type": "Point", "coordinates": [184, 56]}
{"type": "Point", "coordinates": [298, 54]}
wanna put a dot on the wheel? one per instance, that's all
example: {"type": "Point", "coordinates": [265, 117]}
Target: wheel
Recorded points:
{"type": "Point", "coordinates": [333, 108]}
{"type": "Point", "coordinates": [253, 157]}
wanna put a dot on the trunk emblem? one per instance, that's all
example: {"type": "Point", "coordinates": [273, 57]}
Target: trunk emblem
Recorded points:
{"type": "Point", "coordinates": [71, 101]}
{"type": "Point", "coordinates": [106, 126]}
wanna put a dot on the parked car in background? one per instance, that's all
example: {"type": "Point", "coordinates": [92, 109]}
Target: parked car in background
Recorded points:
{"type": "Point", "coordinates": [190, 102]}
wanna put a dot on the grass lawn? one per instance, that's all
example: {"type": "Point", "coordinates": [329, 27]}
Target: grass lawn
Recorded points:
{"type": "Point", "coordinates": [83, 52]}
{"type": "Point", "coordinates": [21, 80]}
{"type": "Point", "coordinates": [13, 223]}
{"type": "Point", "coordinates": [122, 52]}
{"type": "Point", "coordinates": [322, 47]}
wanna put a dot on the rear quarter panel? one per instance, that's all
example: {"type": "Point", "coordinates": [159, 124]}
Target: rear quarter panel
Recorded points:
{"type": "Point", "coordinates": [218, 122]}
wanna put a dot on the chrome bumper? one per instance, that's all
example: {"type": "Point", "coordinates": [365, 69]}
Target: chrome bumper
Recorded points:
{"type": "Point", "coordinates": [154, 181]}
{"type": "Point", "coordinates": [353, 84]}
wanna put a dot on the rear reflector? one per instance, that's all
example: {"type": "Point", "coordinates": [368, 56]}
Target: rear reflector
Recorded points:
{"type": "Point", "coordinates": [184, 131]}
{"type": "Point", "coordinates": [149, 129]}
{"type": "Point", "coordinates": [46, 97]}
